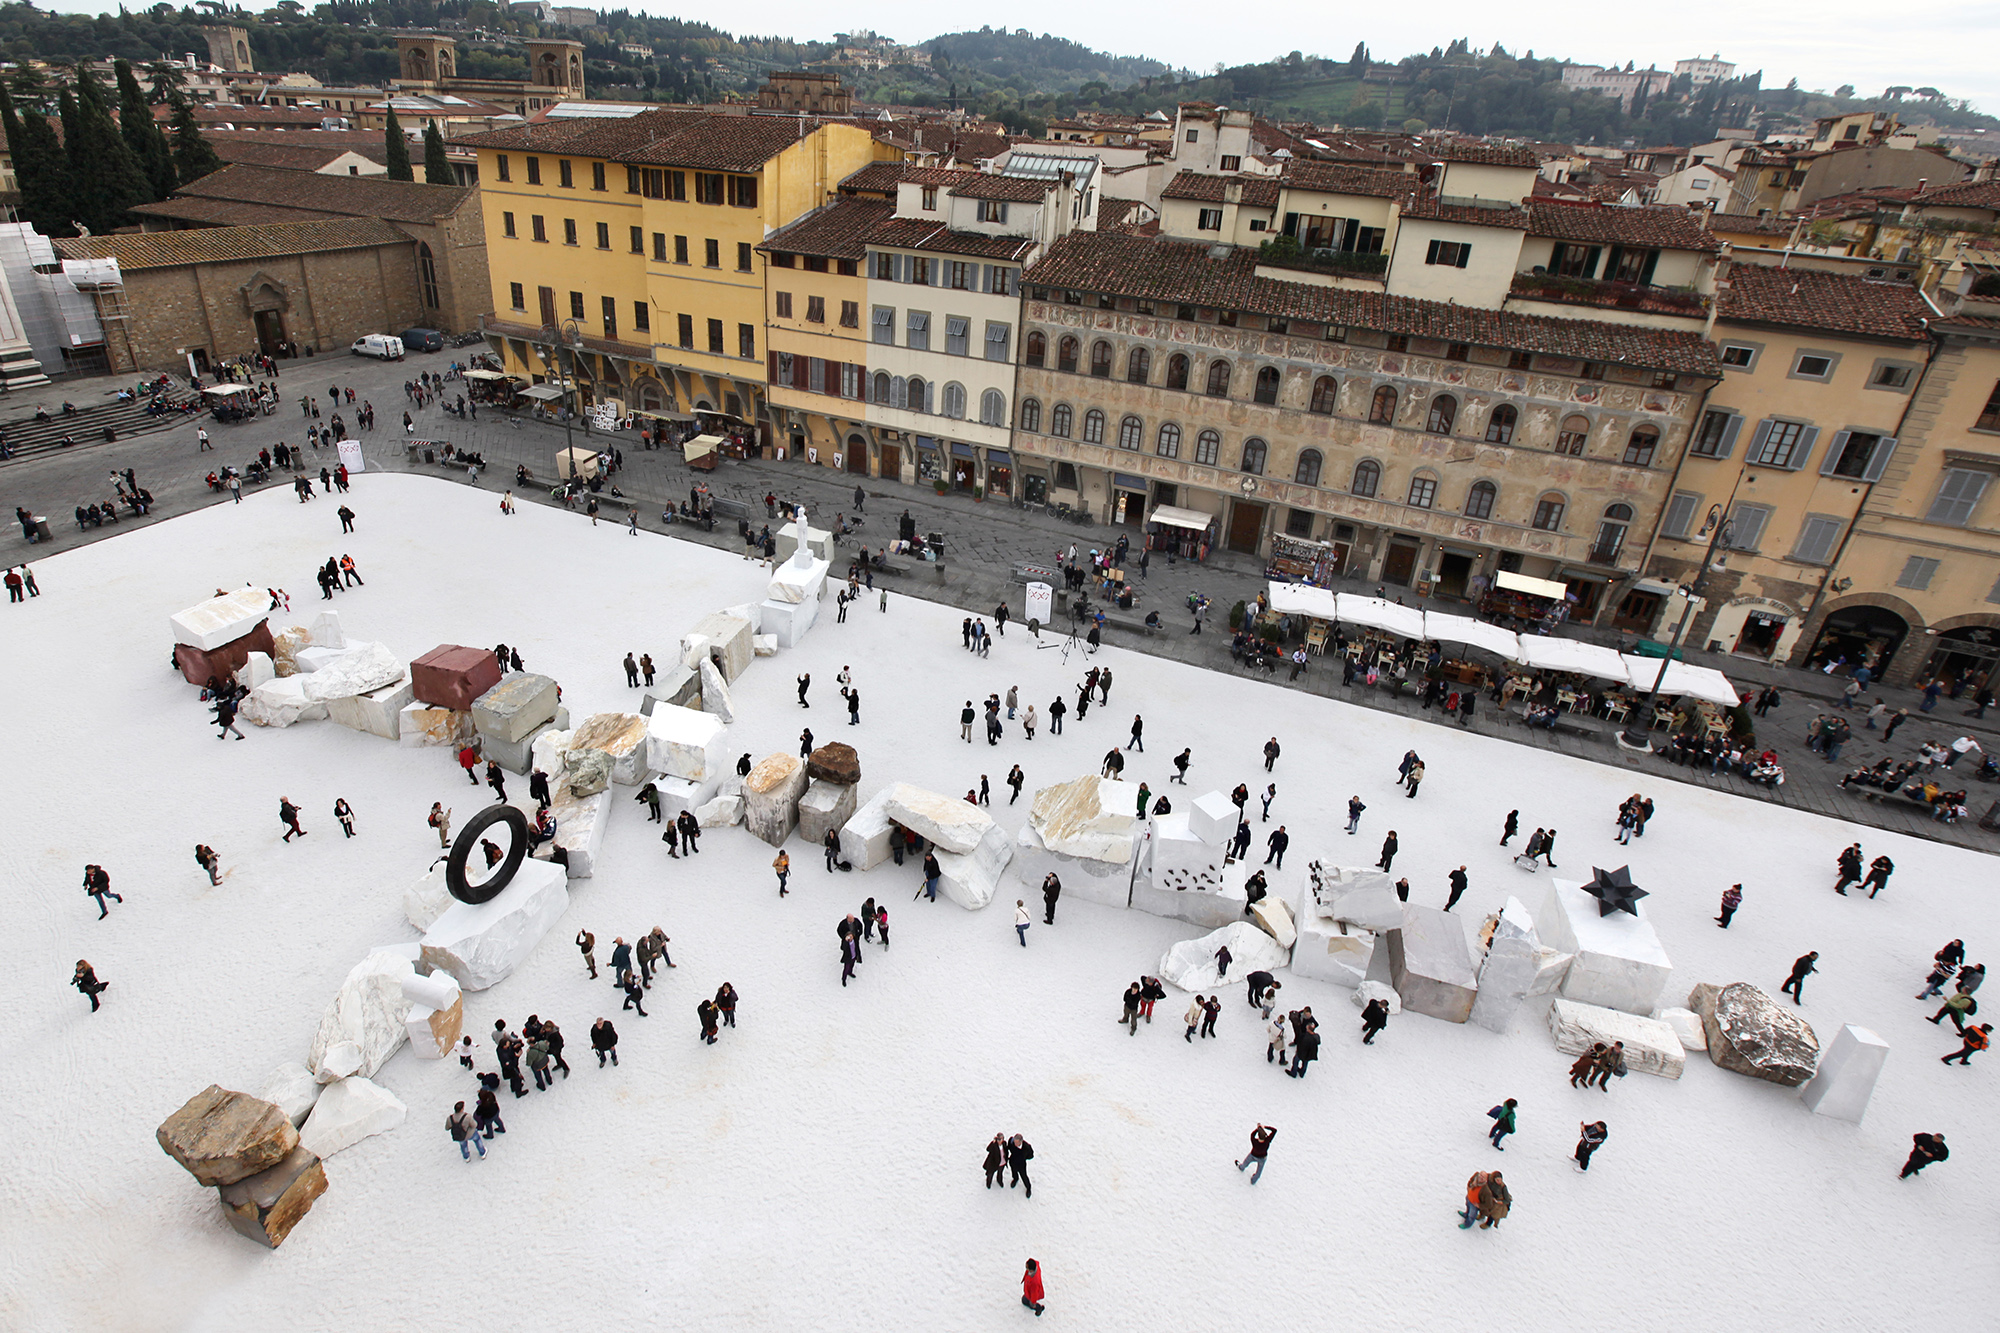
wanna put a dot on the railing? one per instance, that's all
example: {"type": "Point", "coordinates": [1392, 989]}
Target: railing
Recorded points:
{"type": "Point", "coordinates": [1284, 252]}
{"type": "Point", "coordinates": [1620, 295]}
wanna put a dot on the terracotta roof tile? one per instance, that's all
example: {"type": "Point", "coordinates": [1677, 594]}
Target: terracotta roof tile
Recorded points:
{"type": "Point", "coordinates": [838, 230]}
{"type": "Point", "coordinates": [1831, 302]}
{"type": "Point", "coordinates": [662, 138]}
{"type": "Point", "coordinates": [1741, 223]}
{"type": "Point", "coordinates": [918, 234]}
{"type": "Point", "coordinates": [1669, 228]}
{"type": "Point", "coordinates": [1016, 189]}
{"type": "Point", "coordinates": [213, 245]}
{"type": "Point", "coordinates": [1481, 154]}
{"type": "Point", "coordinates": [1258, 191]}
{"type": "Point", "coordinates": [1430, 208]}
{"type": "Point", "coordinates": [1327, 178]}
{"type": "Point", "coordinates": [1190, 274]}
{"type": "Point", "coordinates": [331, 196]}
{"type": "Point", "coordinates": [1966, 194]}
{"type": "Point", "coordinates": [223, 213]}
{"type": "Point", "coordinates": [884, 177]}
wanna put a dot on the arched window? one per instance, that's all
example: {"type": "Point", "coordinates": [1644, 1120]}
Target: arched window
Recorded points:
{"type": "Point", "coordinates": [1207, 448]}
{"type": "Point", "coordinates": [1100, 359]}
{"type": "Point", "coordinates": [1549, 512]}
{"type": "Point", "coordinates": [1639, 449]}
{"type": "Point", "coordinates": [993, 408]}
{"type": "Point", "coordinates": [1169, 445]}
{"type": "Point", "coordinates": [1059, 421]}
{"type": "Point", "coordinates": [954, 401]}
{"type": "Point", "coordinates": [1367, 477]}
{"type": "Point", "coordinates": [1066, 354]}
{"type": "Point", "coordinates": [1444, 410]}
{"type": "Point", "coordinates": [1267, 385]}
{"type": "Point", "coordinates": [1479, 500]}
{"type": "Point", "coordinates": [1574, 435]}
{"type": "Point", "coordinates": [1307, 472]}
{"type": "Point", "coordinates": [1253, 457]}
{"type": "Point", "coordinates": [1611, 534]}
{"type": "Point", "coordinates": [1031, 415]}
{"type": "Point", "coordinates": [1500, 425]}
{"type": "Point", "coordinates": [1218, 379]}
{"type": "Point", "coordinates": [1177, 371]}
{"type": "Point", "coordinates": [1138, 366]}
{"type": "Point", "coordinates": [882, 387]}
{"type": "Point", "coordinates": [1423, 491]}
{"type": "Point", "coordinates": [1038, 348]}
{"type": "Point", "coordinates": [1093, 427]}
{"type": "Point", "coordinates": [1382, 411]}
{"type": "Point", "coordinates": [1131, 433]}
{"type": "Point", "coordinates": [427, 275]}
{"type": "Point", "coordinates": [1325, 394]}
{"type": "Point", "coordinates": [918, 401]}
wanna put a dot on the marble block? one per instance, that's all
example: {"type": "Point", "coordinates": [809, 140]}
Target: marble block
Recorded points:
{"type": "Point", "coordinates": [1368, 991]}
{"type": "Point", "coordinates": [1270, 914]}
{"type": "Point", "coordinates": [580, 822]}
{"type": "Point", "coordinates": [764, 645]}
{"type": "Point", "coordinates": [286, 645]}
{"type": "Point", "coordinates": [1430, 965]}
{"type": "Point", "coordinates": [1848, 1070]}
{"type": "Point", "coordinates": [514, 708]}
{"type": "Point", "coordinates": [746, 611]}
{"type": "Point", "coordinates": [219, 620]}
{"type": "Point", "coordinates": [1175, 857]}
{"type": "Point", "coordinates": [949, 821]}
{"type": "Point", "coordinates": [794, 583]}
{"type": "Point", "coordinates": [1212, 818]}
{"type": "Point", "coordinates": [686, 743]}
{"type": "Point", "coordinates": [427, 898]}
{"type": "Point", "coordinates": [314, 658]}
{"type": "Point", "coordinates": [326, 631]}
{"type": "Point", "coordinates": [1686, 1024]}
{"type": "Point", "coordinates": [1619, 962]}
{"type": "Point", "coordinates": [1361, 897]}
{"type": "Point", "coordinates": [864, 838]}
{"type": "Point", "coordinates": [680, 686]}
{"type": "Point", "coordinates": [291, 1088]}
{"type": "Point", "coordinates": [433, 1032]}
{"type": "Point", "coordinates": [972, 879]}
{"type": "Point", "coordinates": [546, 749]}
{"type": "Point", "coordinates": [265, 1207]}
{"type": "Point", "coordinates": [825, 807]}
{"type": "Point", "coordinates": [480, 944]}
{"type": "Point", "coordinates": [1088, 816]}
{"type": "Point", "coordinates": [420, 724]}
{"type": "Point", "coordinates": [1650, 1045]}
{"type": "Point", "coordinates": [721, 812]}
{"type": "Point", "coordinates": [368, 1011]}
{"type": "Point", "coordinates": [771, 797]}
{"type": "Point", "coordinates": [379, 711]}
{"type": "Point", "coordinates": [1324, 954]}
{"type": "Point", "coordinates": [819, 541]}
{"type": "Point", "coordinates": [715, 694]}
{"type": "Point", "coordinates": [256, 669]}
{"type": "Point", "coordinates": [1515, 963]}
{"type": "Point", "coordinates": [1210, 899]}
{"type": "Point", "coordinates": [514, 756]}
{"type": "Point", "coordinates": [348, 1112]}
{"type": "Point", "coordinates": [220, 1137]}
{"type": "Point", "coordinates": [1107, 882]}
{"type": "Point", "coordinates": [357, 669]}
{"type": "Point", "coordinates": [788, 622]}
{"type": "Point", "coordinates": [721, 638]}
{"type": "Point", "coordinates": [1190, 964]}
{"type": "Point", "coordinates": [197, 664]}
{"type": "Point", "coordinates": [678, 794]}
{"type": "Point", "coordinates": [619, 735]}
{"type": "Point", "coordinates": [450, 676]}
{"type": "Point", "coordinates": [280, 703]}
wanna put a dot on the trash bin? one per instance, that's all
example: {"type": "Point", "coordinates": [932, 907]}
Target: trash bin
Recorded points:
{"type": "Point", "coordinates": [42, 533]}
{"type": "Point", "coordinates": [430, 456]}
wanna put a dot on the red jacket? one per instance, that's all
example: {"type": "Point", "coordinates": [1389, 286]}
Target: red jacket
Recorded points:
{"type": "Point", "coordinates": [467, 758]}
{"type": "Point", "coordinates": [1031, 1285]}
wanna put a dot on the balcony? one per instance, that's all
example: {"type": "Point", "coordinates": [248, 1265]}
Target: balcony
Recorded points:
{"type": "Point", "coordinates": [1610, 295]}
{"type": "Point", "coordinates": [1284, 252]}
{"type": "Point", "coordinates": [1606, 554]}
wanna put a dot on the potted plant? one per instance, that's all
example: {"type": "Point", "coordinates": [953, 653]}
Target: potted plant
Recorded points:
{"type": "Point", "coordinates": [939, 485]}
{"type": "Point", "coordinates": [978, 494]}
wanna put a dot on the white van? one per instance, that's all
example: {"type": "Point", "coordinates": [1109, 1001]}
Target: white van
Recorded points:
{"type": "Point", "coordinates": [382, 346]}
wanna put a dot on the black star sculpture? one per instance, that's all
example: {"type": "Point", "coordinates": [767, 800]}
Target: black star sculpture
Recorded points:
{"type": "Point", "coordinates": [1614, 891]}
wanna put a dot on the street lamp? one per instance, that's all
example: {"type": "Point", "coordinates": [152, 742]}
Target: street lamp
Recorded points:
{"type": "Point", "coordinates": [563, 344]}
{"type": "Point", "coordinates": [1640, 738]}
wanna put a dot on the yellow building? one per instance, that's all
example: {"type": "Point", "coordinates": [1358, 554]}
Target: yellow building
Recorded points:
{"type": "Point", "coordinates": [818, 326]}
{"type": "Point", "coordinates": [633, 243]}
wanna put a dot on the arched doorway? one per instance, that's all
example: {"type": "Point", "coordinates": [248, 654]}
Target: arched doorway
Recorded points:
{"type": "Point", "coordinates": [1862, 634]}
{"type": "Point", "coordinates": [1972, 650]}
{"type": "Point", "coordinates": [856, 455]}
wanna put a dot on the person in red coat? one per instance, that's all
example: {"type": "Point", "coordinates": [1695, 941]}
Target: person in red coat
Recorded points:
{"type": "Point", "coordinates": [468, 759]}
{"type": "Point", "coordinates": [1031, 1287]}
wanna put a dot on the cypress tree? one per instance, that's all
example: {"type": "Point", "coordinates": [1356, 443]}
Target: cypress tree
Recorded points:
{"type": "Point", "coordinates": [193, 156]}
{"type": "Point", "coordinates": [40, 167]}
{"type": "Point", "coordinates": [141, 132]}
{"type": "Point", "coordinates": [105, 176]}
{"type": "Point", "coordinates": [437, 169]}
{"type": "Point", "coordinates": [399, 150]}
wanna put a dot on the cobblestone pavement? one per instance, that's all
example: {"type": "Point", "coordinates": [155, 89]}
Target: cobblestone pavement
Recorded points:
{"type": "Point", "coordinates": [983, 542]}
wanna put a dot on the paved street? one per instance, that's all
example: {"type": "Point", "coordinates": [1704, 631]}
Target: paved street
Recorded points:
{"type": "Point", "coordinates": [983, 540]}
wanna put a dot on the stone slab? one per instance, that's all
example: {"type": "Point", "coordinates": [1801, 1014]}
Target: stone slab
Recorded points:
{"type": "Point", "coordinates": [825, 806]}
{"type": "Point", "coordinates": [721, 638]}
{"type": "Point", "coordinates": [1175, 857]}
{"type": "Point", "coordinates": [292, 1089]}
{"type": "Point", "coordinates": [1848, 1071]}
{"type": "Point", "coordinates": [1431, 966]}
{"type": "Point", "coordinates": [210, 624]}
{"type": "Point", "coordinates": [1212, 818]}
{"type": "Point", "coordinates": [721, 812]}
{"type": "Point", "coordinates": [771, 797]}
{"type": "Point", "coordinates": [450, 676]}
{"type": "Point", "coordinates": [197, 664]}
{"type": "Point", "coordinates": [427, 898]}
{"type": "Point", "coordinates": [1270, 914]}
{"type": "Point", "coordinates": [764, 645]}
{"type": "Point", "coordinates": [267, 1206]}
{"type": "Point", "coordinates": [620, 735]}
{"type": "Point", "coordinates": [864, 838]}
{"type": "Point", "coordinates": [326, 631]}
{"type": "Point", "coordinates": [1190, 964]}
{"type": "Point", "coordinates": [972, 879]}
{"type": "Point", "coordinates": [715, 693]}
{"type": "Point", "coordinates": [421, 724]}
{"type": "Point", "coordinates": [947, 821]}
{"type": "Point", "coordinates": [256, 669]}
{"type": "Point", "coordinates": [515, 708]}
{"type": "Point", "coordinates": [1360, 896]}
{"type": "Point", "coordinates": [1514, 964]}
{"type": "Point", "coordinates": [280, 703]}
{"type": "Point", "coordinates": [788, 622]}
{"type": "Point", "coordinates": [819, 541]}
{"type": "Point", "coordinates": [1324, 954]}
{"type": "Point", "coordinates": [686, 743]}
{"type": "Point", "coordinates": [1650, 1045]}
{"type": "Point", "coordinates": [514, 756]}
{"type": "Point", "coordinates": [348, 1112]}
{"type": "Point", "coordinates": [1089, 816]}
{"type": "Point", "coordinates": [367, 1012]}
{"type": "Point", "coordinates": [1686, 1024]}
{"type": "Point", "coordinates": [480, 944]}
{"type": "Point", "coordinates": [1107, 883]}
{"type": "Point", "coordinates": [356, 669]}
{"type": "Point", "coordinates": [220, 1137]}
{"type": "Point", "coordinates": [580, 824]}
{"type": "Point", "coordinates": [1204, 894]}
{"type": "Point", "coordinates": [1619, 962]}
{"type": "Point", "coordinates": [285, 647]}
{"type": "Point", "coordinates": [546, 749]}
{"type": "Point", "coordinates": [378, 712]}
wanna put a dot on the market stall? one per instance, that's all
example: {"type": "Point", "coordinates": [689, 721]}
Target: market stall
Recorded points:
{"type": "Point", "coordinates": [1186, 533]}
{"type": "Point", "coordinates": [703, 451]}
{"type": "Point", "coordinates": [230, 402]}
{"type": "Point", "coordinates": [1521, 603]}
{"type": "Point", "coordinates": [1296, 560]}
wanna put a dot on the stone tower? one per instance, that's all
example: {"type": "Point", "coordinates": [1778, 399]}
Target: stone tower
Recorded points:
{"type": "Point", "coordinates": [557, 66]}
{"type": "Point", "coordinates": [229, 49]}
{"type": "Point", "coordinates": [426, 59]}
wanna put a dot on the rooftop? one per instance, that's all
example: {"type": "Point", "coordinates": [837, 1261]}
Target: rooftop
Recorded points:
{"type": "Point", "coordinates": [1966, 194]}
{"type": "Point", "coordinates": [1749, 223]}
{"type": "Point", "coordinates": [1482, 154]}
{"type": "Point", "coordinates": [1327, 178]}
{"type": "Point", "coordinates": [1258, 191]}
{"type": "Point", "coordinates": [664, 138]}
{"type": "Point", "coordinates": [333, 196]}
{"type": "Point", "coordinates": [838, 230]}
{"type": "Point", "coordinates": [211, 245]}
{"type": "Point", "coordinates": [1431, 208]}
{"type": "Point", "coordinates": [1829, 302]}
{"type": "Point", "coordinates": [1667, 227]}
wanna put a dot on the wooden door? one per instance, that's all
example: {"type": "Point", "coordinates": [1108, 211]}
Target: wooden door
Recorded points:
{"type": "Point", "coordinates": [1399, 563]}
{"type": "Point", "coordinates": [1246, 526]}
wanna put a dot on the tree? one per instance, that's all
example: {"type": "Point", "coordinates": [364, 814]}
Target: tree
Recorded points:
{"type": "Point", "coordinates": [141, 132]}
{"type": "Point", "coordinates": [40, 168]}
{"type": "Point", "coordinates": [193, 155]}
{"type": "Point", "coordinates": [162, 78]}
{"type": "Point", "coordinates": [437, 168]}
{"type": "Point", "coordinates": [399, 150]}
{"type": "Point", "coordinates": [106, 177]}
{"type": "Point", "coordinates": [1357, 64]}
{"type": "Point", "coordinates": [1845, 90]}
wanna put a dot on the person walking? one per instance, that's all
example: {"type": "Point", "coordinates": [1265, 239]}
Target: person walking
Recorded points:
{"type": "Point", "coordinates": [1270, 795]}
{"type": "Point", "coordinates": [1494, 1201]}
{"type": "Point", "coordinates": [1503, 1122]}
{"type": "Point", "coordinates": [1849, 865]}
{"type": "Point", "coordinates": [1732, 898]}
{"type": "Point", "coordinates": [1138, 729]}
{"type": "Point", "coordinates": [1019, 1153]}
{"type": "Point", "coordinates": [1031, 1288]}
{"type": "Point", "coordinates": [604, 1040]}
{"type": "Point", "coordinates": [86, 982]}
{"type": "Point", "coordinates": [1879, 871]}
{"type": "Point", "coordinates": [205, 857]}
{"type": "Point", "coordinates": [1901, 716]}
{"type": "Point", "coordinates": [1457, 878]}
{"type": "Point", "coordinates": [995, 1163]}
{"type": "Point", "coordinates": [635, 995]}
{"type": "Point", "coordinates": [1305, 1043]}
{"type": "Point", "coordinates": [343, 812]}
{"type": "Point", "coordinates": [1958, 1008]}
{"type": "Point", "coordinates": [97, 886]}
{"type": "Point", "coordinates": [1924, 1150]}
{"type": "Point", "coordinates": [1015, 779]}
{"type": "Point", "coordinates": [486, 1113]}
{"type": "Point", "coordinates": [1260, 1148]}
{"type": "Point", "coordinates": [464, 1131]}
{"type": "Point", "coordinates": [1388, 852]}
{"type": "Point", "coordinates": [805, 683]}
{"type": "Point", "coordinates": [1802, 967]}
{"type": "Point", "coordinates": [1270, 753]}
{"type": "Point", "coordinates": [1547, 852]}
{"type": "Point", "coordinates": [1974, 1040]}
{"type": "Point", "coordinates": [288, 815]}
{"type": "Point", "coordinates": [1277, 843]}
{"type": "Point", "coordinates": [1374, 1017]}
{"type": "Point", "coordinates": [586, 944]}
{"type": "Point", "coordinates": [440, 819]}
{"type": "Point", "coordinates": [1196, 1012]}
{"type": "Point", "coordinates": [1610, 1065]}
{"type": "Point", "coordinates": [496, 779]}
{"type": "Point", "coordinates": [710, 1023]}
{"type": "Point", "coordinates": [1512, 827]}
{"type": "Point", "coordinates": [1413, 779]}
{"type": "Point", "coordinates": [1022, 920]}
{"type": "Point", "coordinates": [782, 864]}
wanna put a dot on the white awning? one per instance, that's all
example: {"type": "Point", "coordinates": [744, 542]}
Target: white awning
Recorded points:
{"type": "Point", "coordinates": [1533, 587]}
{"type": "Point", "coordinates": [483, 375]}
{"type": "Point", "coordinates": [542, 393]}
{"type": "Point", "coordinates": [1589, 659]}
{"type": "Point", "coordinates": [227, 390]}
{"type": "Point", "coordinates": [1407, 621]}
{"type": "Point", "coordinates": [1478, 633]}
{"type": "Point", "coordinates": [1304, 599]}
{"type": "Point", "coordinates": [1192, 519]}
{"type": "Point", "coordinates": [701, 446]}
{"type": "Point", "coordinates": [1681, 678]}
{"type": "Point", "coordinates": [1658, 586]}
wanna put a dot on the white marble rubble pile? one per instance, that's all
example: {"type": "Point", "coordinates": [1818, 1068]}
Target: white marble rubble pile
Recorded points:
{"type": "Point", "coordinates": [1191, 964]}
{"type": "Point", "coordinates": [1516, 967]}
{"type": "Point", "coordinates": [364, 1023]}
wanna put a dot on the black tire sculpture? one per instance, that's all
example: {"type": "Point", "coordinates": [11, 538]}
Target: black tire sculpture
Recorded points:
{"type": "Point", "coordinates": [468, 840]}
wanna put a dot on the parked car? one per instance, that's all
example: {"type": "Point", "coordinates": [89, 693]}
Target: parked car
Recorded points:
{"type": "Point", "coordinates": [423, 340]}
{"type": "Point", "coordinates": [382, 346]}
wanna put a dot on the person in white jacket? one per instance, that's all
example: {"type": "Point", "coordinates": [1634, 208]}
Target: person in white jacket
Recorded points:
{"type": "Point", "coordinates": [1276, 1050]}
{"type": "Point", "coordinates": [1196, 1012]}
{"type": "Point", "coordinates": [1022, 920]}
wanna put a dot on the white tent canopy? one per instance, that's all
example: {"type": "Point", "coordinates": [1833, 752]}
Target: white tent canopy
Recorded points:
{"type": "Point", "coordinates": [1681, 678]}
{"type": "Point", "coordinates": [1447, 628]}
{"type": "Point", "coordinates": [1533, 587]}
{"type": "Point", "coordinates": [1407, 621]}
{"type": "Point", "coordinates": [1304, 599]}
{"type": "Point", "coordinates": [1192, 519]}
{"type": "Point", "coordinates": [1569, 655]}
{"type": "Point", "coordinates": [543, 393]}
{"type": "Point", "coordinates": [227, 390]}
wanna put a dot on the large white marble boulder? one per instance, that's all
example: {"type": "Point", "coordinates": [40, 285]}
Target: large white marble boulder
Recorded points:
{"type": "Point", "coordinates": [368, 1011]}
{"type": "Point", "coordinates": [257, 668]}
{"type": "Point", "coordinates": [678, 794]}
{"type": "Point", "coordinates": [747, 612]}
{"type": "Point", "coordinates": [721, 812]}
{"type": "Point", "coordinates": [1752, 1034]}
{"type": "Point", "coordinates": [584, 773]}
{"type": "Point", "coordinates": [864, 838]}
{"type": "Point", "coordinates": [715, 693]}
{"type": "Point", "coordinates": [379, 711]}
{"type": "Point", "coordinates": [423, 724]}
{"type": "Point", "coordinates": [1108, 883]}
{"type": "Point", "coordinates": [722, 638]}
{"type": "Point", "coordinates": [1516, 963]}
{"type": "Point", "coordinates": [515, 708]}
{"type": "Point", "coordinates": [771, 797]}
{"type": "Point", "coordinates": [1212, 818]}
{"type": "Point", "coordinates": [291, 1088]}
{"type": "Point", "coordinates": [788, 622]}
{"type": "Point", "coordinates": [348, 1112]}
{"type": "Point", "coordinates": [1190, 964]}
{"type": "Point", "coordinates": [434, 1031]}
{"type": "Point", "coordinates": [1361, 897]}
{"type": "Point", "coordinates": [1328, 951]}
{"type": "Point", "coordinates": [1847, 1074]}
{"type": "Point", "coordinates": [1686, 1024]}
{"type": "Point", "coordinates": [1176, 858]}
{"type": "Point", "coordinates": [1430, 965]}
{"type": "Point", "coordinates": [686, 743]}
{"type": "Point", "coordinates": [1650, 1045]}
{"type": "Point", "coordinates": [219, 620]}
{"type": "Point", "coordinates": [313, 658]}
{"type": "Point", "coordinates": [281, 703]}
{"type": "Point", "coordinates": [824, 806]}
{"type": "Point", "coordinates": [764, 645]}
{"type": "Point", "coordinates": [677, 685]}
{"type": "Point", "coordinates": [427, 897]}
{"type": "Point", "coordinates": [480, 944]}
{"type": "Point", "coordinates": [951, 822]}
{"type": "Point", "coordinates": [580, 823]}
{"type": "Point", "coordinates": [1366, 991]}
{"type": "Point", "coordinates": [619, 735]}
{"type": "Point", "coordinates": [358, 669]}
{"type": "Point", "coordinates": [1088, 816]}
{"type": "Point", "coordinates": [1618, 963]}
{"type": "Point", "coordinates": [326, 631]}
{"type": "Point", "coordinates": [1271, 915]}
{"type": "Point", "coordinates": [972, 879]}
{"type": "Point", "coordinates": [1212, 895]}
{"type": "Point", "coordinates": [286, 645]}
{"type": "Point", "coordinates": [546, 750]}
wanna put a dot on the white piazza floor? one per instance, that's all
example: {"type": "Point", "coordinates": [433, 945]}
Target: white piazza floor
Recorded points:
{"type": "Point", "coordinates": [819, 1168]}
